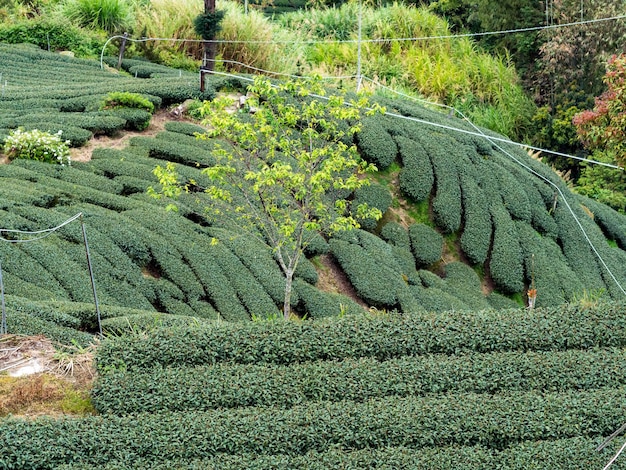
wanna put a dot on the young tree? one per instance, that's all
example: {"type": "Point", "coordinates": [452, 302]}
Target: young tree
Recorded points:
{"type": "Point", "coordinates": [288, 170]}
{"type": "Point", "coordinates": [603, 131]}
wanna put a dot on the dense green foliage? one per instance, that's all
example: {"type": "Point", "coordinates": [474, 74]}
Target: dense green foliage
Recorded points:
{"type": "Point", "coordinates": [379, 336]}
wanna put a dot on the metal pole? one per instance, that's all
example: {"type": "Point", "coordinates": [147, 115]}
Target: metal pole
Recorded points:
{"type": "Point", "coordinates": [3, 326]}
{"type": "Point", "coordinates": [122, 49]}
{"type": "Point", "coordinates": [93, 282]}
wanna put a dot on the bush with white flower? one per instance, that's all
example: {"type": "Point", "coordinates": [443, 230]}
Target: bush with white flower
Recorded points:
{"type": "Point", "coordinates": [37, 145]}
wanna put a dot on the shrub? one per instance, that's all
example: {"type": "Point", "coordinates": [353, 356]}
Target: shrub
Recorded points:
{"type": "Point", "coordinates": [476, 237]}
{"type": "Point", "coordinates": [186, 128]}
{"type": "Point", "coordinates": [284, 386]}
{"type": "Point", "coordinates": [110, 15]}
{"type": "Point", "coordinates": [426, 244]}
{"type": "Point", "coordinates": [314, 427]}
{"type": "Point", "coordinates": [416, 176]}
{"type": "Point", "coordinates": [375, 144]}
{"type": "Point", "coordinates": [318, 304]}
{"type": "Point", "coordinates": [37, 145]}
{"type": "Point", "coordinates": [373, 281]}
{"type": "Point", "coordinates": [382, 337]}
{"type": "Point", "coordinates": [395, 234]}
{"type": "Point", "coordinates": [375, 196]}
{"type": "Point", "coordinates": [505, 264]}
{"type": "Point", "coordinates": [123, 99]}
{"type": "Point", "coordinates": [136, 119]}
{"type": "Point", "coordinates": [447, 201]}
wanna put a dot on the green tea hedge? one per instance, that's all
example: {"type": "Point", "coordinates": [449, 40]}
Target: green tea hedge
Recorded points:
{"type": "Point", "coordinates": [379, 336]}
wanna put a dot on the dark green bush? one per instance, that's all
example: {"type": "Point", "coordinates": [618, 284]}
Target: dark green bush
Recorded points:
{"type": "Point", "coordinates": [317, 426]}
{"type": "Point", "coordinates": [284, 386]}
{"type": "Point", "coordinates": [175, 152]}
{"type": "Point", "coordinates": [375, 196]}
{"type": "Point", "coordinates": [146, 322]}
{"type": "Point", "coordinates": [447, 201]}
{"type": "Point", "coordinates": [505, 264]}
{"type": "Point", "coordinates": [396, 234]}
{"type": "Point", "coordinates": [463, 283]}
{"type": "Point", "coordinates": [426, 244]}
{"type": "Point", "coordinates": [318, 304]}
{"type": "Point", "coordinates": [382, 337]}
{"type": "Point", "coordinates": [576, 249]}
{"type": "Point", "coordinates": [476, 237]}
{"type": "Point", "coordinates": [374, 282]}
{"type": "Point", "coordinates": [19, 323]}
{"type": "Point", "coordinates": [136, 119]}
{"type": "Point", "coordinates": [434, 299]}
{"type": "Point", "coordinates": [186, 128]}
{"type": "Point", "coordinates": [375, 144]}
{"type": "Point", "coordinates": [416, 176]}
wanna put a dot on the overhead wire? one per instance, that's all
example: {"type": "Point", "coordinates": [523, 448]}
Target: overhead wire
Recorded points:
{"type": "Point", "coordinates": [377, 40]}
{"type": "Point", "coordinates": [38, 234]}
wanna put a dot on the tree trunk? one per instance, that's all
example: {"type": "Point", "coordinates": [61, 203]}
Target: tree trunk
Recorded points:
{"type": "Point", "coordinates": [287, 301]}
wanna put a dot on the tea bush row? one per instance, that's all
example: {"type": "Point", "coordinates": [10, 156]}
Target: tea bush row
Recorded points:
{"type": "Point", "coordinates": [147, 321]}
{"type": "Point", "coordinates": [174, 152]}
{"type": "Point", "coordinates": [426, 244]}
{"type": "Point", "coordinates": [375, 143]}
{"type": "Point", "coordinates": [236, 385]}
{"type": "Point", "coordinates": [375, 196]}
{"type": "Point", "coordinates": [382, 336]}
{"type": "Point", "coordinates": [505, 263]}
{"type": "Point", "coordinates": [375, 283]}
{"type": "Point", "coordinates": [446, 203]}
{"type": "Point", "coordinates": [557, 454]}
{"type": "Point", "coordinates": [416, 176]}
{"type": "Point", "coordinates": [477, 229]}
{"type": "Point", "coordinates": [19, 323]}
{"type": "Point", "coordinates": [317, 426]}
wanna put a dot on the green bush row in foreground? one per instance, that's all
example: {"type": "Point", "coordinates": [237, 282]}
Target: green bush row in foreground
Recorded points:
{"type": "Point", "coordinates": [560, 454]}
{"type": "Point", "coordinates": [234, 385]}
{"type": "Point", "coordinates": [380, 336]}
{"type": "Point", "coordinates": [462, 419]}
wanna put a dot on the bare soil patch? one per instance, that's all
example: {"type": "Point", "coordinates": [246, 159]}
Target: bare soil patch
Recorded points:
{"type": "Point", "coordinates": [37, 379]}
{"type": "Point", "coordinates": [157, 124]}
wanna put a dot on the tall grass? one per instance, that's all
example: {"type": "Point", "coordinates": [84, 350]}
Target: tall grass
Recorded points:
{"type": "Point", "coordinates": [172, 19]}
{"type": "Point", "coordinates": [111, 16]}
{"type": "Point", "coordinates": [448, 70]}
{"type": "Point", "coordinates": [270, 48]}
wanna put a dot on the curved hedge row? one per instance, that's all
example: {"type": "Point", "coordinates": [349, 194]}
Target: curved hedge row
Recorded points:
{"type": "Point", "coordinates": [375, 196]}
{"type": "Point", "coordinates": [476, 237]}
{"type": "Point", "coordinates": [558, 454]}
{"type": "Point", "coordinates": [416, 176]}
{"type": "Point", "coordinates": [380, 336]}
{"type": "Point", "coordinates": [426, 244]}
{"type": "Point", "coordinates": [375, 143]}
{"type": "Point", "coordinates": [374, 282]}
{"type": "Point", "coordinates": [317, 426]}
{"type": "Point", "coordinates": [284, 386]}
{"type": "Point", "coordinates": [505, 264]}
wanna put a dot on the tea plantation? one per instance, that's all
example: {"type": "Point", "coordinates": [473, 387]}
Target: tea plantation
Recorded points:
{"type": "Point", "coordinates": [445, 370]}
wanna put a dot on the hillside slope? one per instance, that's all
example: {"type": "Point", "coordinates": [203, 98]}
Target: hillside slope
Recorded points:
{"type": "Point", "coordinates": [469, 222]}
{"type": "Point", "coordinates": [480, 390]}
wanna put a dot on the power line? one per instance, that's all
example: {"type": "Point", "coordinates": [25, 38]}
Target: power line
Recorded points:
{"type": "Point", "coordinates": [508, 141]}
{"type": "Point", "coordinates": [381, 40]}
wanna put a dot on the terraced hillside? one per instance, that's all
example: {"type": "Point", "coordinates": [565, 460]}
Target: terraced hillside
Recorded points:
{"type": "Point", "coordinates": [511, 389]}
{"type": "Point", "coordinates": [469, 221]}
